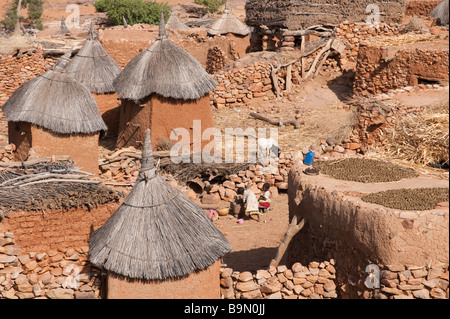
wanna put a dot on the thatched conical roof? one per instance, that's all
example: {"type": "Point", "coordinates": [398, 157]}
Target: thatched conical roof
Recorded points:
{"type": "Point", "coordinates": [441, 12]}
{"type": "Point", "coordinates": [175, 24]}
{"type": "Point", "coordinates": [164, 69]}
{"type": "Point", "coordinates": [157, 233]}
{"type": "Point", "coordinates": [56, 102]}
{"type": "Point", "coordinates": [62, 27]}
{"type": "Point", "coordinates": [93, 67]}
{"type": "Point", "coordinates": [228, 23]}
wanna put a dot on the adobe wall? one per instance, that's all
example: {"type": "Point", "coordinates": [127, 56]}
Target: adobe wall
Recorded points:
{"type": "Point", "coordinates": [420, 8]}
{"type": "Point", "coordinates": [108, 105]}
{"type": "Point", "coordinates": [203, 284]}
{"type": "Point", "coordinates": [162, 116]}
{"type": "Point", "coordinates": [44, 254]}
{"type": "Point", "coordinates": [82, 148]}
{"type": "Point", "coordinates": [355, 234]}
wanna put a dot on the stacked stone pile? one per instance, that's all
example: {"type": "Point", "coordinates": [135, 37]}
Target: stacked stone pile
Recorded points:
{"type": "Point", "coordinates": [412, 282]}
{"type": "Point", "coordinates": [54, 274]}
{"type": "Point", "coordinates": [316, 281]}
{"type": "Point", "coordinates": [7, 153]}
{"type": "Point", "coordinates": [238, 86]}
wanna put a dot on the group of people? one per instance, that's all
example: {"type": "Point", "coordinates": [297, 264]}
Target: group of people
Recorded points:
{"type": "Point", "coordinates": [254, 205]}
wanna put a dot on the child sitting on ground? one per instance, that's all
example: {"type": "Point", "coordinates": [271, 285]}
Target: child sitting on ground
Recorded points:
{"type": "Point", "coordinates": [264, 199]}
{"type": "Point", "coordinates": [250, 202]}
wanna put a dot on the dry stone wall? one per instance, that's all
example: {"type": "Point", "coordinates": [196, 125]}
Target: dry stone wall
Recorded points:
{"type": "Point", "coordinates": [16, 70]}
{"type": "Point", "coordinates": [315, 281]}
{"type": "Point", "coordinates": [381, 69]}
{"type": "Point", "coordinates": [411, 282]}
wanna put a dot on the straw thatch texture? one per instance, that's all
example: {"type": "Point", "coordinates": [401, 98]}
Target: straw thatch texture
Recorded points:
{"type": "Point", "coordinates": [93, 67]}
{"type": "Point", "coordinates": [441, 12]}
{"type": "Point", "coordinates": [157, 233]}
{"type": "Point", "coordinates": [228, 23]}
{"type": "Point", "coordinates": [164, 69]}
{"type": "Point", "coordinates": [56, 102]}
{"type": "Point", "coordinates": [175, 24]}
{"type": "Point", "coordinates": [421, 138]}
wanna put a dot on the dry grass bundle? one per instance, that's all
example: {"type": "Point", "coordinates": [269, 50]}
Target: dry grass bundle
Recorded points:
{"type": "Point", "coordinates": [421, 138]}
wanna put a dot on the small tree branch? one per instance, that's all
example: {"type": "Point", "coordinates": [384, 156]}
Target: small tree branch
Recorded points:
{"type": "Point", "coordinates": [293, 228]}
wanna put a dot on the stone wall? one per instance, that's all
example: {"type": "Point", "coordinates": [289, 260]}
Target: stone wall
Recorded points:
{"type": "Point", "coordinates": [316, 281]}
{"type": "Point", "coordinates": [384, 68]}
{"type": "Point", "coordinates": [420, 8]}
{"type": "Point", "coordinates": [16, 70]}
{"type": "Point", "coordinates": [63, 273]}
{"type": "Point", "coordinates": [340, 226]}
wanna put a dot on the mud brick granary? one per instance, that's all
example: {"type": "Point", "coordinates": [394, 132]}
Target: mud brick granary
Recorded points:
{"type": "Point", "coordinates": [158, 244]}
{"type": "Point", "coordinates": [163, 88]}
{"type": "Point", "coordinates": [55, 115]}
{"type": "Point", "coordinates": [300, 14]}
{"type": "Point", "coordinates": [96, 70]}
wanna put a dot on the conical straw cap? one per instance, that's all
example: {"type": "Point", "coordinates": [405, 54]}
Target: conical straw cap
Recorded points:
{"type": "Point", "coordinates": [162, 27]}
{"type": "Point", "coordinates": [147, 153]}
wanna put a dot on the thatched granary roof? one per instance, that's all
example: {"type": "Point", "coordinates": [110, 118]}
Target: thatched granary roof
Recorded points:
{"type": "Point", "coordinates": [164, 69]}
{"type": "Point", "coordinates": [228, 23]}
{"type": "Point", "coordinates": [62, 27]}
{"type": "Point", "coordinates": [441, 12]}
{"type": "Point", "coordinates": [157, 233]}
{"type": "Point", "coordinates": [175, 24]}
{"type": "Point", "coordinates": [93, 67]}
{"type": "Point", "coordinates": [56, 102]}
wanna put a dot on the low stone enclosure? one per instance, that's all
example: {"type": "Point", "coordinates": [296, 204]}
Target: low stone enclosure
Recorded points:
{"type": "Point", "coordinates": [327, 259]}
{"type": "Point", "coordinates": [405, 249]}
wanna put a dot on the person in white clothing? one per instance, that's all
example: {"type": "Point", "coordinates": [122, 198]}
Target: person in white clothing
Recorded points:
{"type": "Point", "coordinates": [250, 202]}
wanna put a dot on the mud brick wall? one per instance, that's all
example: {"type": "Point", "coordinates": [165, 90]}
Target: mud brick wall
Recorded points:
{"type": "Point", "coordinates": [420, 8]}
{"type": "Point", "coordinates": [43, 230]}
{"type": "Point", "coordinates": [380, 69]}
{"type": "Point", "coordinates": [44, 254]}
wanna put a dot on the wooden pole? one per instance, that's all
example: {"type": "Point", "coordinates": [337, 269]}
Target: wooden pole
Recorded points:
{"type": "Point", "coordinates": [293, 228]}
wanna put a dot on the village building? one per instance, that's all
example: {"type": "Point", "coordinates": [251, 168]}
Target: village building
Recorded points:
{"type": "Point", "coordinates": [159, 243]}
{"type": "Point", "coordinates": [96, 70]}
{"type": "Point", "coordinates": [163, 88]}
{"type": "Point", "coordinates": [53, 114]}
{"type": "Point", "coordinates": [174, 23]}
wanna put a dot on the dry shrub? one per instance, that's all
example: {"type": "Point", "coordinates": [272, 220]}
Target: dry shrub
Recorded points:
{"type": "Point", "coordinates": [422, 138]}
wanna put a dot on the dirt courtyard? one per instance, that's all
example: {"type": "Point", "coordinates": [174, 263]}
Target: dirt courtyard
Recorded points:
{"type": "Point", "coordinates": [254, 243]}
